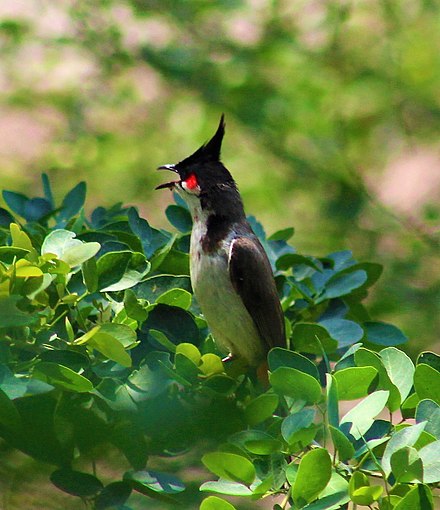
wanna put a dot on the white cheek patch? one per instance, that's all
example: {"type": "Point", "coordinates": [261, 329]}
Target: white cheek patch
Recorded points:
{"type": "Point", "coordinates": [191, 189]}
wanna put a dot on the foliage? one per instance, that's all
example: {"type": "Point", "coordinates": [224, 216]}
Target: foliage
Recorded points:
{"type": "Point", "coordinates": [101, 343]}
{"type": "Point", "coordinates": [332, 112]}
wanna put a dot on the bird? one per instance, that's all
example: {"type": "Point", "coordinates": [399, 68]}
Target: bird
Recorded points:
{"type": "Point", "coordinates": [230, 272]}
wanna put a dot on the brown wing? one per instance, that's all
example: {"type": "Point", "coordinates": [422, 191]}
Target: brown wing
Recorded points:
{"type": "Point", "coordinates": [252, 277]}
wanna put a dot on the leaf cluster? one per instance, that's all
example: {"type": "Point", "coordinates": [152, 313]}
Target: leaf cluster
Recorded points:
{"type": "Point", "coordinates": [102, 343]}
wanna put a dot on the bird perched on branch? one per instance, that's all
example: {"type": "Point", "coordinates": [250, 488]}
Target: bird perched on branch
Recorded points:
{"type": "Point", "coordinates": [230, 272]}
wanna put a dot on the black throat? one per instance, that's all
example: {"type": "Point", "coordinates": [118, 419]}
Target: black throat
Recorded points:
{"type": "Point", "coordinates": [225, 212]}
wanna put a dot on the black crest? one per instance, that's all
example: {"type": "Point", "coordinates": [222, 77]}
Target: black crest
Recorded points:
{"type": "Point", "coordinates": [207, 153]}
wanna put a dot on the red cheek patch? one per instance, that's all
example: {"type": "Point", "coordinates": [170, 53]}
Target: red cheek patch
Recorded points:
{"type": "Point", "coordinates": [191, 182]}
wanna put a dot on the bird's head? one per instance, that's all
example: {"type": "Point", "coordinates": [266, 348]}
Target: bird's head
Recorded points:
{"type": "Point", "coordinates": [202, 173]}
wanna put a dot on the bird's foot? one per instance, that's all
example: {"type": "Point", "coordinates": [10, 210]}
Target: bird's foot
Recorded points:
{"type": "Point", "coordinates": [230, 357]}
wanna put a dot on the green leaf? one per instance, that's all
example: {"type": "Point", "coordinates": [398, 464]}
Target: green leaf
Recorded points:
{"type": "Point", "coordinates": [295, 426]}
{"type": "Point", "coordinates": [367, 495]}
{"type": "Point", "coordinates": [135, 270]}
{"type": "Point", "coordinates": [87, 336]}
{"type": "Point", "coordinates": [177, 324]}
{"type": "Point", "coordinates": [361, 417]}
{"type": "Point", "coordinates": [47, 189]}
{"type": "Point", "coordinates": [296, 384]}
{"type": "Point", "coordinates": [380, 333]}
{"type": "Point", "coordinates": [219, 384]}
{"type": "Point", "coordinates": [71, 359]}
{"type": "Point", "coordinates": [401, 439]}
{"type": "Point", "coordinates": [366, 358]}
{"type": "Point", "coordinates": [128, 437]}
{"type": "Point", "coordinates": [342, 284]}
{"type": "Point", "coordinates": [342, 444]}
{"type": "Point", "coordinates": [371, 444]}
{"type": "Point", "coordinates": [179, 217]}
{"type": "Point", "coordinates": [108, 345]}
{"type": "Point", "coordinates": [400, 369]}
{"type": "Point", "coordinates": [345, 332]}
{"type": "Point", "coordinates": [63, 244]}
{"type": "Point", "coordinates": [230, 466]}
{"type": "Point", "coordinates": [291, 472]}
{"type": "Point", "coordinates": [430, 457]}
{"type": "Point", "coordinates": [429, 358]}
{"type": "Point", "coordinates": [111, 267]}
{"type": "Point", "coordinates": [429, 411]}
{"type": "Point", "coordinates": [176, 297]}
{"type": "Point", "coordinates": [333, 496]}
{"type": "Point", "coordinates": [61, 377]}
{"type": "Point", "coordinates": [149, 381]}
{"type": "Point", "coordinates": [289, 260]}
{"type": "Point", "coordinates": [418, 498]}
{"type": "Point", "coordinates": [36, 208]}
{"type": "Point", "coordinates": [282, 235]}
{"type": "Point", "coordinates": [309, 337]}
{"type": "Point", "coordinates": [76, 483]}
{"type": "Point", "coordinates": [406, 465]}
{"type": "Point", "coordinates": [360, 490]}
{"type": "Point", "coordinates": [9, 416]}
{"type": "Point", "coordinates": [355, 382]}
{"type": "Point", "coordinates": [176, 262]}
{"type": "Point", "coordinates": [116, 395]}
{"type": "Point", "coordinates": [314, 473]}
{"type": "Point", "coordinates": [357, 481]}
{"type": "Point", "coordinates": [121, 270]}
{"type": "Point", "coordinates": [9, 253]}
{"type": "Point", "coordinates": [15, 201]}
{"type": "Point", "coordinates": [160, 337]}
{"type": "Point", "coordinates": [113, 495]}
{"type": "Point", "coordinates": [80, 253]}
{"type": "Point", "coordinates": [142, 229]}
{"type": "Point", "coordinates": [279, 357]}
{"type": "Point", "coordinates": [16, 386]}
{"type": "Point", "coordinates": [408, 408]}
{"type": "Point", "coordinates": [72, 202]}
{"type": "Point", "coordinates": [58, 241]}
{"type": "Point", "coordinates": [341, 259]}
{"type": "Point", "coordinates": [332, 400]}
{"type": "Point", "coordinates": [27, 270]}
{"type": "Point", "coordinates": [151, 288]}
{"type": "Point", "coordinates": [155, 481]}
{"type": "Point", "coordinates": [372, 269]}
{"type": "Point", "coordinates": [215, 503]}
{"type": "Point", "coordinates": [11, 316]}
{"type": "Point", "coordinates": [263, 446]}
{"type": "Point", "coordinates": [226, 487]}
{"type": "Point", "coordinates": [275, 479]}
{"type": "Point", "coordinates": [19, 238]}
{"type": "Point", "coordinates": [186, 367]}
{"type": "Point", "coordinates": [6, 218]}
{"type": "Point", "coordinates": [427, 383]}
{"type": "Point", "coordinates": [33, 289]}
{"type": "Point", "coordinates": [161, 253]}
{"type": "Point", "coordinates": [123, 333]}
{"type": "Point", "coordinates": [133, 308]}
{"type": "Point", "coordinates": [190, 351]}
{"type": "Point", "coordinates": [261, 408]}
{"type": "Point", "coordinates": [241, 438]}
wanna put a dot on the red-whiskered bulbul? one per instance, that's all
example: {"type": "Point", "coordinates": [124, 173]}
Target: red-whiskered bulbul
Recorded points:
{"type": "Point", "coordinates": [231, 275]}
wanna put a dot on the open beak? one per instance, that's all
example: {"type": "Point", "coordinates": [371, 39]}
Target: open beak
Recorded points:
{"type": "Point", "coordinates": [171, 184]}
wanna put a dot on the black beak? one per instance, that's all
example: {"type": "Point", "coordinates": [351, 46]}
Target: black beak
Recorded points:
{"type": "Point", "coordinates": [171, 184]}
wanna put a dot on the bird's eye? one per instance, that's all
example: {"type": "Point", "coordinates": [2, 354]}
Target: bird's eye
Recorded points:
{"type": "Point", "coordinates": [190, 183]}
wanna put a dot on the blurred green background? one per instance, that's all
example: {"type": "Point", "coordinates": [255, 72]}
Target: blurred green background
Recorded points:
{"type": "Point", "coordinates": [332, 109]}
{"type": "Point", "coordinates": [333, 120]}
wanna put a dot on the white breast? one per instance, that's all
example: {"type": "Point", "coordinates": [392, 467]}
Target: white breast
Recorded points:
{"type": "Point", "coordinates": [230, 323]}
